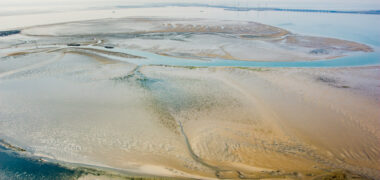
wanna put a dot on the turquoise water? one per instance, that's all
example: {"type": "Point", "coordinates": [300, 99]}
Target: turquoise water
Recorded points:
{"type": "Point", "coordinates": [359, 59]}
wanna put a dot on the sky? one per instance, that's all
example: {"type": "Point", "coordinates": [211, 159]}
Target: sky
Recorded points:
{"type": "Point", "coordinates": [310, 4]}
{"type": "Point", "coordinates": [14, 13]}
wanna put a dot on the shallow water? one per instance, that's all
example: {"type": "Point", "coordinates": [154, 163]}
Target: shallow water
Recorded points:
{"type": "Point", "coordinates": [360, 59]}
{"type": "Point", "coordinates": [14, 166]}
{"type": "Point", "coordinates": [354, 27]}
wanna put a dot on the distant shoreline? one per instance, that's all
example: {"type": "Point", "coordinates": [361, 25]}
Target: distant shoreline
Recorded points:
{"type": "Point", "coordinates": [232, 8]}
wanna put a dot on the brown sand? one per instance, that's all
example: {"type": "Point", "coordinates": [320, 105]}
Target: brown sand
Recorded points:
{"type": "Point", "coordinates": [290, 123]}
{"type": "Point", "coordinates": [204, 38]}
{"type": "Point", "coordinates": [205, 122]}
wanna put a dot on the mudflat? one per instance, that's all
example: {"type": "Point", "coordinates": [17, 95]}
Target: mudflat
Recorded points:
{"type": "Point", "coordinates": [92, 105]}
{"type": "Point", "coordinates": [204, 38]}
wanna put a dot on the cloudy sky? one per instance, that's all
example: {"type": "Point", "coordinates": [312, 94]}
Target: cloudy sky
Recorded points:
{"type": "Point", "coordinates": [326, 4]}
{"type": "Point", "coordinates": [24, 7]}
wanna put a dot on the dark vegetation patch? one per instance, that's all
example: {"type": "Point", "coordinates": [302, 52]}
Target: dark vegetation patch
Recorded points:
{"type": "Point", "coordinates": [319, 51]}
{"type": "Point", "coordinates": [10, 32]}
{"type": "Point", "coordinates": [326, 79]}
{"type": "Point", "coordinates": [10, 146]}
{"type": "Point", "coordinates": [73, 44]}
{"type": "Point", "coordinates": [137, 77]}
{"type": "Point", "coordinates": [332, 82]}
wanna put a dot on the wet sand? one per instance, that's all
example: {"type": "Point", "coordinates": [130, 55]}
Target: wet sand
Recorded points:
{"type": "Point", "coordinates": [204, 38]}
{"type": "Point", "coordinates": [75, 105]}
{"type": "Point", "coordinates": [285, 119]}
{"type": "Point", "coordinates": [215, 122]}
